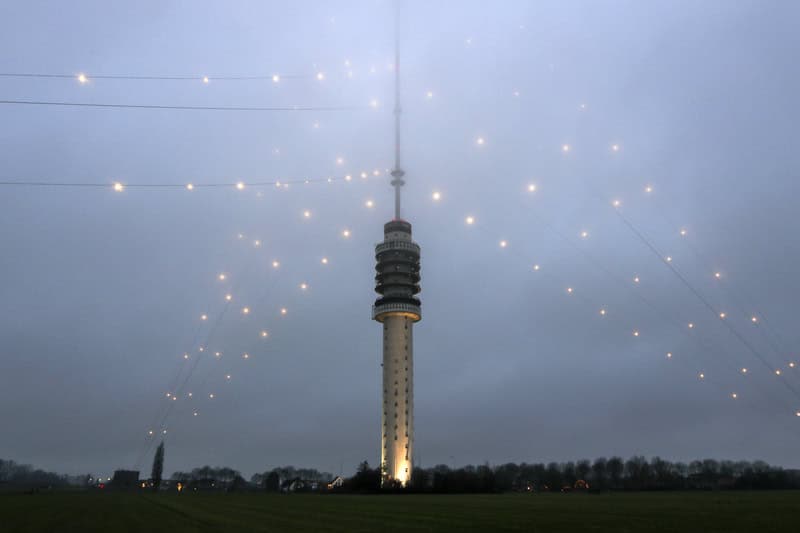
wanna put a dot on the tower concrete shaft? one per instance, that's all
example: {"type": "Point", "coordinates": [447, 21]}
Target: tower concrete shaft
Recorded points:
{"type": "Point", "coordinates": [397, 281]}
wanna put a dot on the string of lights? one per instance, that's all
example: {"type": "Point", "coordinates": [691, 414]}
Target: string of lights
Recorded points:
{"type": "Point", "coordinates": [118, 186]}
{"type": "Point", "coordinates": [772, 338]}
{"type": "Point", "coordinates": [85, 78]}
{"type": "Point", "coordinates": [187, 107]}
{"type": "Point", "coordinates": [718, 314]}
{"type": "Point", "coordinates": [631, 288]}
{"type": "Point", "coordinates": [608, 315]}
{"type": "Point", "coordinates": [604, 311]}
{"type": "Point", "coordinates": [667, 260]}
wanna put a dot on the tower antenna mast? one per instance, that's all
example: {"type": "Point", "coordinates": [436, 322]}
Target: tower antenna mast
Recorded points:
{"type": "Point", "coordinates": [397, 172]}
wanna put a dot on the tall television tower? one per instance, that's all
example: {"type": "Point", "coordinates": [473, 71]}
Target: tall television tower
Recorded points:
{"type": "Point", "coordinates": [397, 308]}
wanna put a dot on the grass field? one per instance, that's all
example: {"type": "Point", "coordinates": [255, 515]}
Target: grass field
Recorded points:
{"type": "Point", "coordinates": [699, 511]}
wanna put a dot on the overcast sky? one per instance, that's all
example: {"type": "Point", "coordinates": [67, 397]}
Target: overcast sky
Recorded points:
{"type": "Point", "coordinates": [102, 292]}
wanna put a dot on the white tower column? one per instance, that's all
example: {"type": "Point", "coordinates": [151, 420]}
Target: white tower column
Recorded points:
{"type": "Point", "coordinates": [397, 440]}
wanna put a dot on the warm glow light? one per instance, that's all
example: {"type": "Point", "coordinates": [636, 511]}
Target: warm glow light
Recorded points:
{"type": "Point", "coordinates": [584, 234]}
{"type": "Point", "coordinates": [531, 187]}
{"type": "Point", "coordinates": [369, 204]}
{"type": "Point", "coordinates": [374, 103]}
{"type": "Point", "coordinates": [203, 317]}
{"type": "Point", "coordinates": [82, 78]}
{"type": "Point", "coordinates": [635, 333]}
{"type": "Point", "coordinates": [669, 355]}
{"type": "Point", "coordinates": [284, 311]}
{"type": "Point", "coordinates": [734, 395]}
{"type": "Point", "coordinates": [256, 243]}
{"type": "Point", "coordinates": [722, 314]}
{"type": "Point", "coordinates": [503, 244]}
{"type": "Point", "coordinates": [346, 233]}
{"type": "Point", "coordinates": [470, 220]}
{"type": "Point", "coordinates": [754, 319]}
{"type": "Point", "coordinates": [276, 78]}
{"type": "Point", "coordinates": [119, 187]}
{"type": "Point", "coordinates": [320, 76]}
{"type": "Point", "coordinates": [264, 334]}
{"type": "Point", "coordinates": [565, 148]}
{"type": "Point", "coordinates": [603, 312]}
{"type": "Point", "coordinates": [569, 290]}
{"type": "Point", "coordinates": [340, 160]}
{"type": "Point", "coordinates": [691, 325]}
{"type": "Point", "coordinates": [245, 310]}
{"type": "Point", "coordinates": [536, 267]}
{"type": "Point", "coordinates": [668, 259]}
{"type": "Point", "coordinates": [151, 431]}
{"type": "Point", "coordinates": [228, 297]}
{"type": "Point", "coordinates": [701, 375]}
{"type": "Point", "coordinates": [240, 185]}
{"type": "Point", "coordinates": [744, 371]}
{"type": "Point", "coordinates": [245, 356]}
{"type": "Point", "coordinates": [683, 232]}
{"type": "Point", "coordinates": [778, 372]}
{"type": "Point", "coordinates": [636, 279]}
{"type": "Point", "coordinates": [307, 214]}
{"type": "Point", "coordinates": [303, 286]}
{"type": "Point", "coordinates": [429, 95]}
{"type": "Point", "coordinates": [217, 354]}
{"type": "Point", "coordinates": [363, 175]}
{"type": "Point", "coordinates": [436, 196]}
{"type": "Point", "coordinates": [227, 376]}
{"type": "Point", "coordinates": [211, 395]}
{"type": "Point", "coordinates": [221, 277]}
{"type": "Point", "coordinates": [205, 79]}
{"type": "Point", "coordinates": [189, 186]}
{"type": "Point", "coordinates": [717, 275]}
{"type": "Point", "coordinates": [324, 260]}
{"type": "Point", "coordinates": [275, 264]}
{"type": "Point", "coordinates": [791, 365]}
{"type": "Point", "coordinates": [480, 141]}
{"type": "Point", "coordinates": [615, 148]}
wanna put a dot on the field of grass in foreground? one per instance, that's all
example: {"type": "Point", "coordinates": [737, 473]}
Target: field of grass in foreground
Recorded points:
{"type": "Point", "coordinates": [696, 511]}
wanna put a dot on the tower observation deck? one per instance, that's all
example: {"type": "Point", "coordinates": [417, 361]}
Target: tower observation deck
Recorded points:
{"type": "Point", "coordinates": [397, 309]}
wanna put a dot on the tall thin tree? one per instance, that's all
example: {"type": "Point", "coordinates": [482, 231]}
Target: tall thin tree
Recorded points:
{"type": "Point", "coordinates": [158, 466]}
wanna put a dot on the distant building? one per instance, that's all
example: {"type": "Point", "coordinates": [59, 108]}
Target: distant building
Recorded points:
{"type": "Point", "coordinates": [336, 483]}
{"type": "Point", "coordinates": [125, 480]}
{"type": "Point", "coordinates": [306, 485]}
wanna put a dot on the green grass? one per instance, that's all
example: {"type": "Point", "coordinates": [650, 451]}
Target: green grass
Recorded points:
{"type": "Point", "coordinates": [681, 512]}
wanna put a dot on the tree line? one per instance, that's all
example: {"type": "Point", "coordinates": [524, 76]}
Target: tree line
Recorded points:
{"type": "Point", "coordinates": [16, 475]}
{"type": "Point", "coordinates": [636, 473]}
{"type": "Point", "coordinates": [602, 474]}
